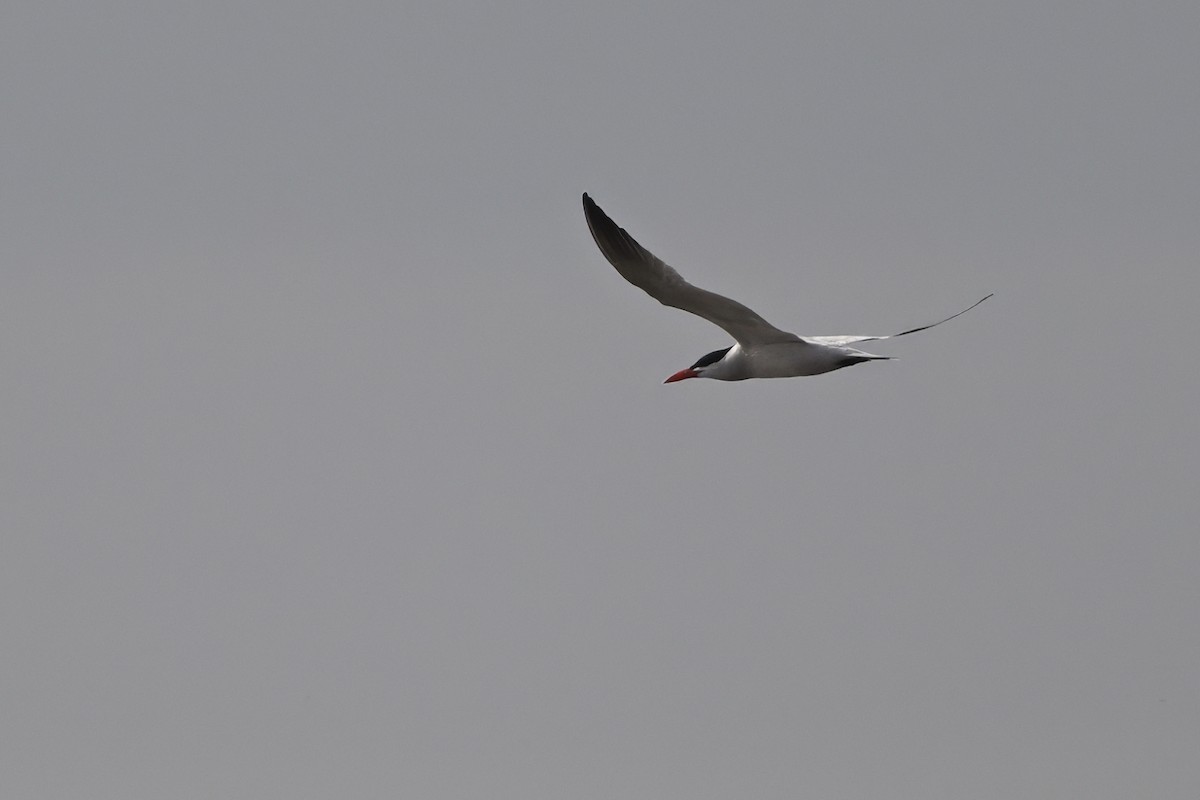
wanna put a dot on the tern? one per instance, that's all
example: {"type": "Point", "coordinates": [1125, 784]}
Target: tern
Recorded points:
{"type": "Point", "coordinates": [760, 350]}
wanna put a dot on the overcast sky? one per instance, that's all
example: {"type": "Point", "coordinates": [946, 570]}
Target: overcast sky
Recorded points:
{"type": "Point", "coordinates": [336, 460]}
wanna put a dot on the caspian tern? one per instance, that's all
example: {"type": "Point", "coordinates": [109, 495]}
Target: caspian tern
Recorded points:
{"type": "Point", "coordinates": [761, 350]}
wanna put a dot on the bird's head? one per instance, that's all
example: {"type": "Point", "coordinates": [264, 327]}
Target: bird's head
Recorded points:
{"type": "Point", "coordinates": [698, 370]}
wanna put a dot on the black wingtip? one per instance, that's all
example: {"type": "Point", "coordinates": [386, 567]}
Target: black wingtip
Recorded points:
{"type": "Point", "coordinates": [594, 214]}
{"type": "Point", "coordinates": [935, 324]}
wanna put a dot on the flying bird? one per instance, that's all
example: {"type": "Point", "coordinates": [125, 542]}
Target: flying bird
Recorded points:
{"type": "Point", "coordinates": [760, 350]}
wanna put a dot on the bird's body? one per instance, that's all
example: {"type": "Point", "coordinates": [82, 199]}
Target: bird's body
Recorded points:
{"type": "Point", "coordinates": [782, 360]}
{"type": "Point", "coordinates": [761, 349]}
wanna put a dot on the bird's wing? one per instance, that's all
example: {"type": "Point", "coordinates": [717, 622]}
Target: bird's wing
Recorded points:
{"type": "Point", "coordinates": [653, 276]}
{"type": "Point", "coordinates": [841, 340]}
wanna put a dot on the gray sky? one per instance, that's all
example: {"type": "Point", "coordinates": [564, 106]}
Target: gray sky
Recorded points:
{"type": "Point", "coordinates": [336, 460]}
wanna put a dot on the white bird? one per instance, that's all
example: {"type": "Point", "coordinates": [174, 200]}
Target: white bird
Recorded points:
{"type": "Point", "coordinates": [761, 350]}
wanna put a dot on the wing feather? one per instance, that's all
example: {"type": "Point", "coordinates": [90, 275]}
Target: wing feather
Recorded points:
{"type": "Point", "coordinates": [659, 280]}
{"type": "Point", "coordinates": [844, 340]}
